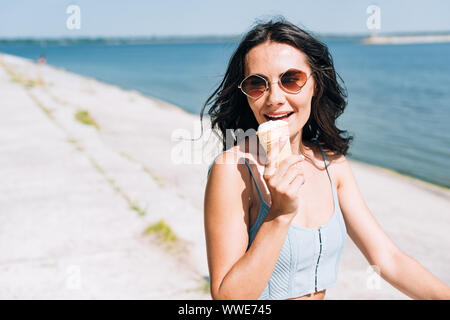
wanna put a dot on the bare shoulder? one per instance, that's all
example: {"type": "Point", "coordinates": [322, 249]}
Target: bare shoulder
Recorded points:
{"type": "Point", "coordinates": [338, 164]}
{"type": "Point", "coordinates": [236, 155]}
{"type": "Point", "coordinates": [342, 169]}
{"type": "Point", "coordinates": [230, 160]}
{"type": "Point", "coordinates": [229, 178]}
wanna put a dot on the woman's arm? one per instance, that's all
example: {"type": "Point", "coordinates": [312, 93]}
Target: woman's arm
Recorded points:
{"type": "Point", "coordinates": [397, 268]}
{"type": "Point", "coordinates": [236, 273]}
{"type": "Point", "coordinates": [411, 278]}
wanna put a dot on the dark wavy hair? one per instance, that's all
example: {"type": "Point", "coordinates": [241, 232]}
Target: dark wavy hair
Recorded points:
{"type": "Point", "coordinates": [230, 108]}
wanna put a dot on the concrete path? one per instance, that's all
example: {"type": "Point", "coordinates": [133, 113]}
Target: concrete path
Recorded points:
{"type": "Point", "coordinates": [67, 224]}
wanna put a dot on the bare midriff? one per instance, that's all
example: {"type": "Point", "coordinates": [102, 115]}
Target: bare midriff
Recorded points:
{"type": "Point", "coordinates": [320, 295]}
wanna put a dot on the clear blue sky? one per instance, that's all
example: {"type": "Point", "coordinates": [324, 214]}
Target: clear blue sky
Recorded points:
{"type": "Point", "coordinates": [47, 18]}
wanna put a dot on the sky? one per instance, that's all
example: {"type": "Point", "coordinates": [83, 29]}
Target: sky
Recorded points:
{"type": "Point", "coordinates": [111, 18]}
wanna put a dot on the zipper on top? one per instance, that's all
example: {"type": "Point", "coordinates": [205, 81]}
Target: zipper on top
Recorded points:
{"type": "Point", "coordinates": [318, 258]}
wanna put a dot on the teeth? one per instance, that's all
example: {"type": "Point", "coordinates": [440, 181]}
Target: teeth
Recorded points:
{"type": "Point", "coordinates": [279, 116]}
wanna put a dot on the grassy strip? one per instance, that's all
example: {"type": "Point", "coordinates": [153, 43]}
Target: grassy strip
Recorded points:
{"type": "Point", "coordinates": [163, 231]}
{"type": "Point", "coordinates": [21, 79]}
{"type": "Point", "coordinates": [147, 171]}
{"type": "Point", "coordinates": [204, 286]}
{"type": "Point", "coordinates": [133, 205]}
{"type": "Point", "coordinates": [84, 117]}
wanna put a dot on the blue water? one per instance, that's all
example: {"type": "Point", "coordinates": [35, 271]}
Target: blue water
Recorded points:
{"type": "Point", "coordinates": [399, 96]}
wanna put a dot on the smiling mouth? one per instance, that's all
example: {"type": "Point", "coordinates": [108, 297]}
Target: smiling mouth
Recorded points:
{"type": "Point", "coordinates": [278, 118]}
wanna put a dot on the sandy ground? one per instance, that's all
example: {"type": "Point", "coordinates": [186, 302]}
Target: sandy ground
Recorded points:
{"type": "Point", "coordinates": [75, 199]}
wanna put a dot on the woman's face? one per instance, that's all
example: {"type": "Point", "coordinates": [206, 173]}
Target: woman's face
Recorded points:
{"type": "Point", "coordinates": [272, 59]}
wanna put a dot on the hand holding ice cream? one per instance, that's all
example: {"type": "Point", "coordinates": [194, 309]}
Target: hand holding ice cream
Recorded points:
{"type": "Point", "coordinates": [283, 172]}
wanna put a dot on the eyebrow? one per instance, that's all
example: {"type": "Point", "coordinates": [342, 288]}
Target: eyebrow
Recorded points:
{"type": "Point", "coordinates": [264, 76]}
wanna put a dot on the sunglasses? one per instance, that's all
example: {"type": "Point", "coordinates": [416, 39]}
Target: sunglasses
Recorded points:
{"type": "Point", "coordinates": [291, 81]}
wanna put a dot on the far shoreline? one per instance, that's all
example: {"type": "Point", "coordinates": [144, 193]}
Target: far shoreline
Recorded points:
{"type": "Point", "coordinates": [406, 39]}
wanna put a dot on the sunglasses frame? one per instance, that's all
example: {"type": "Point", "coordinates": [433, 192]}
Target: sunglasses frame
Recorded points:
{"type": "Point", "coordinates": [279, 83]}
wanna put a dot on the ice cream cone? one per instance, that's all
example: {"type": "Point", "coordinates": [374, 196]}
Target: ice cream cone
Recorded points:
{"type": "Point", "coordinates": [269, 134]}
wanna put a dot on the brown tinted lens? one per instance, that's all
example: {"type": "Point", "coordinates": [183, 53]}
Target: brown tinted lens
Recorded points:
{"type": "Point", "coordinates": [293, 80]}
{"type": "Point", "coordinates": [254, 86]}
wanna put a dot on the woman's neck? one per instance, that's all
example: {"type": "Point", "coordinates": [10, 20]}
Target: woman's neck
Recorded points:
{"type": "Point", "coordinates": [298, 146]}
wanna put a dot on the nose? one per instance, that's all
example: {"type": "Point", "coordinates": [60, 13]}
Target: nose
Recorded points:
{"type": "Point", "coordinates": [276, 96]}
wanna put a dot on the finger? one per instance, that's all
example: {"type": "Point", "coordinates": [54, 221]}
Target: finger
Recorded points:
{"type": "Point", "coordinates": [297, 183]}
{"type": "Point", "coordinates": [287, 163]}
{"type": "Point", "coordinates": [289, 176]}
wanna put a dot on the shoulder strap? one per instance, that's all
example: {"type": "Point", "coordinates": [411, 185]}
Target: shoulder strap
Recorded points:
{"type": "Point", "coordinates": [326, 162]}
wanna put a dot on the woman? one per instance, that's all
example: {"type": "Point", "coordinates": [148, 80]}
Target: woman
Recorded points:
{"type": "Point", "coordinates": [280, 236]}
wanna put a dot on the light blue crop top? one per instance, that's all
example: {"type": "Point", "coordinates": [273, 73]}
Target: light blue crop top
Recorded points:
{"type": "Point", "coordinates": [309, 259]}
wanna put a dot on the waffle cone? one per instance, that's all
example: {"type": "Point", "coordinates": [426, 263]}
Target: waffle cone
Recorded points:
{"type": "Point", "coordinates": [269, 135]}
